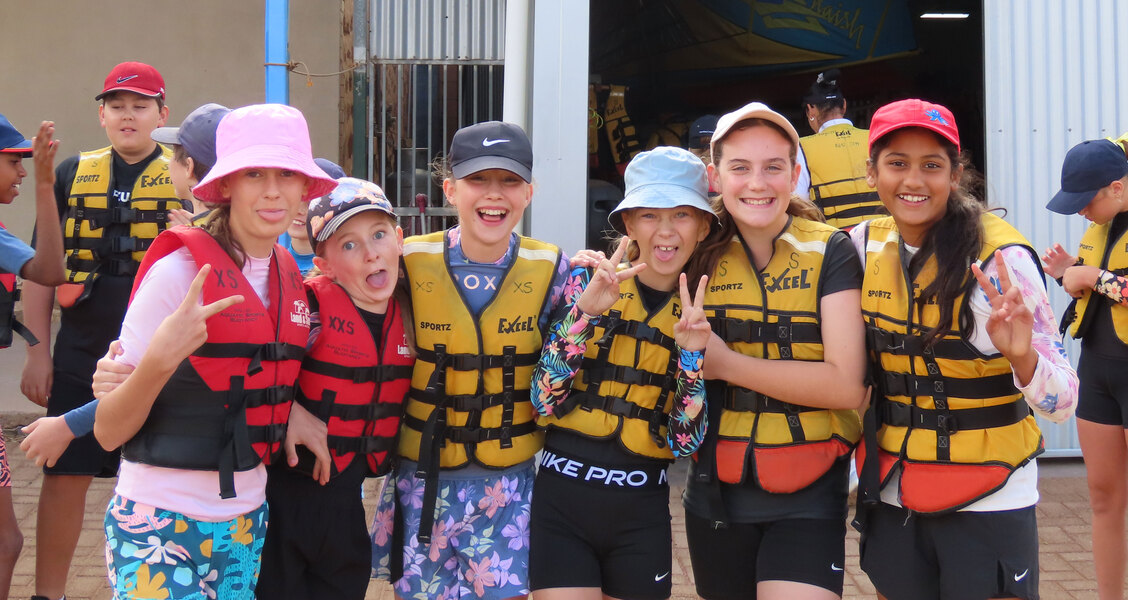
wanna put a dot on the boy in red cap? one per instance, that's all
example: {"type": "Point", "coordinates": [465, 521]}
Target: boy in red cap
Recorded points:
{"type": "Point", "coordinates": [113, 202]}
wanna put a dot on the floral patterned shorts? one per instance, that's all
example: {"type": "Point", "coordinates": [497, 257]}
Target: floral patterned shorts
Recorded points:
{"type": "Point", "coordinates": [157, 553]}
{"type": "Point", "coordinates": [480, 541]}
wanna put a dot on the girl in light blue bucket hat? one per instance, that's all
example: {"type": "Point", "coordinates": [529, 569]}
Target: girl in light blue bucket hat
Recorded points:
{"type": "Point", "coordinates": [619, 390]}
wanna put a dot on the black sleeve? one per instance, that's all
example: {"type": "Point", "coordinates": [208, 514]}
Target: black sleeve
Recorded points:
{"type": "Point", "coordinates": [842, 269]}
{"type": "Point", "coordinates": [64, 177]}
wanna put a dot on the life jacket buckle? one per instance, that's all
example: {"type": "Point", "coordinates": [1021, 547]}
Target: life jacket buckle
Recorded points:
{"type": "Point", "coordinates": [946, 424]}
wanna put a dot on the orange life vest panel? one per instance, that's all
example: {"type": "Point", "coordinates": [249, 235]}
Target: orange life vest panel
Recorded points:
{"type": "Point", "coordinates": [225, 408]}
{"type": "Point", "coordinates": [356, 387]}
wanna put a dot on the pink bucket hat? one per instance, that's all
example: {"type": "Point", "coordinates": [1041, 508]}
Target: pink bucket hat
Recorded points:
{"type": "Point", "coordinates": [266, 136]}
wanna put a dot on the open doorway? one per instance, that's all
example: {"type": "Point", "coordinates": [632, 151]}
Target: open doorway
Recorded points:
{"type": "Point", "coordinates": [675, 60]}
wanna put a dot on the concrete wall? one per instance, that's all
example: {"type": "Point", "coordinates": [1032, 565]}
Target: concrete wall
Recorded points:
{"type": "Point", "coordinates": [55, 54]}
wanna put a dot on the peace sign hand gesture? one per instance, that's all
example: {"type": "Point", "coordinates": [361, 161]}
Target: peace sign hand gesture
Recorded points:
{"type": "Point", "coordinates": [692, 331]}
{"type": "Point", "coordinates": [1011, 322]}
{"type": "Point", "coordinates": [186, 328]}
{"type": "Point", "coordinates": [602, 292]}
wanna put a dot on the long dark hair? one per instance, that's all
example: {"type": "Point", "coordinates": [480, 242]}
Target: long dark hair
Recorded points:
{"type": "Point", "coordinates": [709, 252]}
{"type": "Point", "coordinates": [955, 240]}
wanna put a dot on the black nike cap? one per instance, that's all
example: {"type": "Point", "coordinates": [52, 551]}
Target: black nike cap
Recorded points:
{"type": "Point", "coordinates": [491, 145]}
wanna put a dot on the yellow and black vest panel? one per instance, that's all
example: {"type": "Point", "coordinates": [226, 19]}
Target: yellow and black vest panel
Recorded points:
{"type": "Point", "coordinates": [1096, 250]}
{"type": "Point", "coordinates": [836, 158]}
{"type": "Point", "coordinates": [948, 416]}
{"type": "Point", "coordinates": [469, 396]}
{"type": "Point", "coordinates": [91, 210]}
{"type": "Point", "coordinates": [625, 385]}
{"type": "Point", "coordinates": [773, 313]}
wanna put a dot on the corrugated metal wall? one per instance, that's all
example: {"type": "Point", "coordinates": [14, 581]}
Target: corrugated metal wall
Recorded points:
{"type": "Point", "coordinates": [1055, 75]}
{"type": "Point", "coordinates": [438, 30]}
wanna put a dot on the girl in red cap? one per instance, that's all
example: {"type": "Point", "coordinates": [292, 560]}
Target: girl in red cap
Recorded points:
{"type": "Point", "coordinates": [948, 476]}
{"type": "Point", "coordinates": [765, 504]}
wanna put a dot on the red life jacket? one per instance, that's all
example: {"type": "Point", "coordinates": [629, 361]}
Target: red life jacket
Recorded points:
{"type": "Point", "coordinates": [354, 385]}
{"type": "Point", "coordinates": [9, 294]}
{"type": "Point", "coordinates": [226, 406]}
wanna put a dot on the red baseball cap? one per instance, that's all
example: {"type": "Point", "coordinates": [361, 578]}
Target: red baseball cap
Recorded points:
{"type": "Point", "coordinates": [914, 113]}
{"type": "Point", "coordinates": [135, 77]}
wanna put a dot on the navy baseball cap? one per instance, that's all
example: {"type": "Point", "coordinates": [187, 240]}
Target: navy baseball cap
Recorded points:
{"type": "Point", "coordinates": [1088, 167]}
{"type": "Point", "coordinates": [491, 145]}
{"type": "Point", "coordinates": [701, 131]}
{"type": "Point", "coordinates": [12, 141]}
{"type": "Point", "coordinates": [331, 168]}
{"type": "Point", "coordinates": [196, 133]}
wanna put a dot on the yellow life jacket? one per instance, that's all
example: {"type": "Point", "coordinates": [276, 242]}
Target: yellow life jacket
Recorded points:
{"type": "Point", "coordinates": [774, 314]}
{"type": "Point", "coordinates": [1095, 250]}
{"type": "Point", "coordinates": [91, 210]}
{"type": "Point", "coordinates": [625, 385]}
{"type": "Point", "coordinates": [949, 417]}
{"type": "Point", "coordinates": [836, 158]}
{"type": "Point", "coordinates": [469, 396]}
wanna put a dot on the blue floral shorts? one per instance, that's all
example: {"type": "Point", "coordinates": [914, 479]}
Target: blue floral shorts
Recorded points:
{"type": "Point", "coordinates": [160, 554]}
{"type": "Point", "coordinates": [480, 541]}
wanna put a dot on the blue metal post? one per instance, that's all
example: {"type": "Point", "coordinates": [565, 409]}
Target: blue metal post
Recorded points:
{"type": "Point", "coordinates": [277, 37]}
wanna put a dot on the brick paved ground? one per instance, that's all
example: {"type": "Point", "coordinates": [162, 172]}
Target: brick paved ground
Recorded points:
{"type": "Point", "coordinates": [1063, 517]}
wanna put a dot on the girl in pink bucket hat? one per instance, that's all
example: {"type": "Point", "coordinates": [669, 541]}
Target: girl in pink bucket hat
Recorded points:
{"type": "Point", "coordinates": [223, 311]}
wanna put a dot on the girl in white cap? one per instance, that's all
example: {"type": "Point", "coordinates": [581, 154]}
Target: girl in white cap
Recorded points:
{"type": "Point", "coordinates": [766, 501]}
{"type": "Point", "coordinates": [216, 329]}
{"type": "Point", "coordinates": [948, 476]}
{"type": "Point", "coordinates": [619, 389]}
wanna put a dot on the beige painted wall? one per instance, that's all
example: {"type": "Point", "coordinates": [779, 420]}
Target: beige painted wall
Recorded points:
{"type": "Point", "coordinates": [55, 54]}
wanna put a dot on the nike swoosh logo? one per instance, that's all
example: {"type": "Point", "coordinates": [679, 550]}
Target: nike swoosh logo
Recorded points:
{"type": "Point", "coordinates": [125, 79]}
{"type": "Point", "coordinates": [662, 576]}
{"type": "Point", "coordinates": [487, 143]}
{"type": "Point", "coordinates": [1021, 576]}
{"type": "Point", "coordinates": [834, 567]}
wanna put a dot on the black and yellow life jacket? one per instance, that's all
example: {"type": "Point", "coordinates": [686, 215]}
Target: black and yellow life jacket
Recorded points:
{"type": "Point", "coordinates": [774, 314]}
{"type": "Point", "coordinates": [92, 210]}
{"type": "Point", "coordinates": [625, 385]}
{"type": "Point", "coordinates": [949, 417]}
{"type": "Point", "coordinates": [836, 158]}
{"type": "Point", "coordinates": [1096, 250]}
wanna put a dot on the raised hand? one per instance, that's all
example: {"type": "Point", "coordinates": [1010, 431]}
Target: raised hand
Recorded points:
{"type": "Point", "coordinates": [692, 331]}
{"type": "Point", "coordinates": [43, 149]}
{"type": "Point", "coordinates": [602, 292]}
{"type": "Point", "coordinates": [186, 328]}
{"type": "Point", "coordinates": [1011, 322]}
{"type": "Point", "coordinates": [1057, 260]}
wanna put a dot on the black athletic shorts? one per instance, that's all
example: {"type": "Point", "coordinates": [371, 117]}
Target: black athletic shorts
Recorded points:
{"type": "Point", "coordinates": [85, 455]}
{"type": "Point", "coordinates": [728, 562]}
{"type": "Point", "coordinates": [953, 556]}
{"type": "Point", "coordinates": [584, 535]}
{"type": "Point", "coordinates": [1103, 394]}
{"type": "Point", "coordinates": [317, 543]}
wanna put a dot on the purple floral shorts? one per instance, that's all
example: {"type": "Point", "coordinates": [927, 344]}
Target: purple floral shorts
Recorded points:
{"type": "Point", "coordinates": [480, 541]}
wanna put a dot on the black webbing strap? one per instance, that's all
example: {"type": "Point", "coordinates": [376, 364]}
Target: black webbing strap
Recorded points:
{"type": "Point", "coordinates": [369, 374]}
{"type": "Point", "coordinates": [234, 433]}
{"type": "Point", "coordinates": [508, 377]}
{"type": "Point", "coordinates": [118, 215]}
{"type": "Point", "coordinates": [749, 332]}
{"type": "Point", "coordinates": [472, 434]}
{"type": "Point", "coordinates": [270, 351]}
{"type": "Point", "coordinates": [113, 266]}
{"type": "Point", "coordinates": [826, 202]}
{"type": "Point", "coordinates": [887, 342]}
{"type": "Point", "coordinates": [273, 395]}
{"type": "Point", "coordinates": [595, 370]}
{"type": "Point", "coordinates": [897, 414]}
{"type": "Point", "coordinates": [24, 332]}
{"type": "Point", "coordinates": [475, 362]}
{"type": "Point", "coordinates": [328, 407]}
{"type": "Point", "coordinates": [705, 468]}
{"type": "Point", "coordinates": [905, 384]}
{"type": "Point", "coordinates": [869, 478]}
{"type": "Point", "coordinates": [745, 400]}
{"type": "Point", "coordinates": [430, 441]}
{"type": "Point", "coordinates": [361, 445]}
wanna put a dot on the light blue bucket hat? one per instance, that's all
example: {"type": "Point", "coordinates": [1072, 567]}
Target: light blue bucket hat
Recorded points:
{"type": "Point", "coordinates": [665, 177]}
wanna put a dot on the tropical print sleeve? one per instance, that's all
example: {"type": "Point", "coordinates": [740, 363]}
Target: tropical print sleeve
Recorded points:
{"type": "Point", "coordinates": [564, 348]}
{"type": "Point", "coordinates": [688, 419]}
{"type": "Point", "coordinates": [1113, 287]}
{"type": "Point", "coordinates": [1052, 391]}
